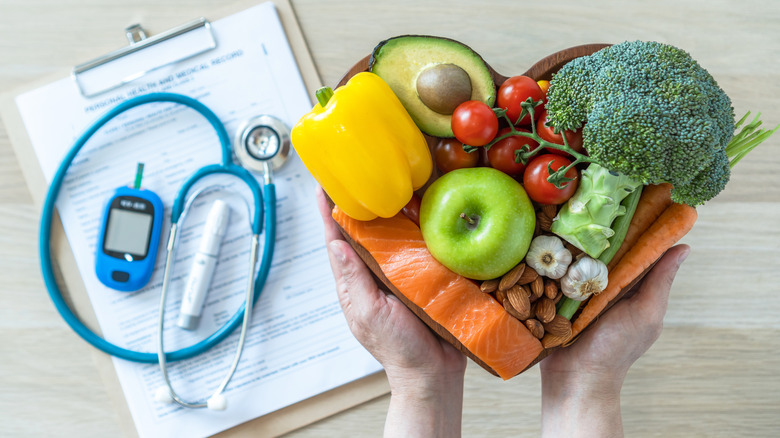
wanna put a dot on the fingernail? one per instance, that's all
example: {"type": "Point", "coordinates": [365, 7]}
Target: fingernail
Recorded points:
{"type": "Point", "coordinates": [683, 255]}
{"type": "Point", "coordinates": [337, 251]}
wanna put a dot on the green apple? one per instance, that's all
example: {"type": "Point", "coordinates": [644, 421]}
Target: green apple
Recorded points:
{"type": "Point", "coordinates": [478, 222]}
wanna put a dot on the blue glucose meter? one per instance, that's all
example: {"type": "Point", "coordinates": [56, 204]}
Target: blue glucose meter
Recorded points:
{"type": "Point", "coordinates": [129, 237]}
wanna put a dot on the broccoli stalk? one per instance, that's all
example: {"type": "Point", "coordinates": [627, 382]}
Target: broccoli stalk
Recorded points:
{"type": "Point", "coordinates": [747, 139]}
{"type": "Point", "coordinates": [586, 219]}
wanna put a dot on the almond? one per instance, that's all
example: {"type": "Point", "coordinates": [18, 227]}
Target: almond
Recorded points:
{"type": "Point", "coordinates": [545, 310]}
{"type": "Point", "coordinates": [558, 297]}
{"type": "Point", "coordinates": [510, 278]}
{"type": "Point", "coordinates": [535, 327]}
{"type": "Point", "coordinates": [531, 296]}
{"type": "Point", "coordinates": [511, 310]}
{"type": "Point", "coordinates": [537, 287]}
{"type": "Point", "coordinates": [543, 221]}
{"type": "Point", "coordinates": [551, 341]}
{"type": "Point", "coordinates": [550, 289]}
{"type": "Point", "coordinates": [488, 286]}
{"type": "Point", "coordinates": [528, 276]}
{"type": "Point", "coordinates": [501, 296]}
{"type": "Point", "coordinates": [521, 288]}
{"type": "Point", "coordinates": [518, 299]}
{"type": "Point", "coordinates": [550, 210]}
{"type": "Point", "coordinates": [559, 326]}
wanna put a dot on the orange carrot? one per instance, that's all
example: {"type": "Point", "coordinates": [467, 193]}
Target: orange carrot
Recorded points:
{"type": "Point", "coordinates": [654, 200]}
{"type": "Point", "coordinates": [670, 227]}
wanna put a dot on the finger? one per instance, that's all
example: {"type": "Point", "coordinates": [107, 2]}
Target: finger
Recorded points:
{"type": "Point", "coordinates": [354, 282]}
{"type": "Point", "coordinates": [331, 229]}
{"type": "Point", "coordinates": [653, 296]}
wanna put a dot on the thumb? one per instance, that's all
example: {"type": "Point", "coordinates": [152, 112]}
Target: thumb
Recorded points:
{"type": "Point", "coordinates": [653, 295]}
{"type": "Point", "coordinates": [356, 287]}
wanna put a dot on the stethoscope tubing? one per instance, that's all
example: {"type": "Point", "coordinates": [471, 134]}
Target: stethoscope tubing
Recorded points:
{"type": "Point", "coordinates": [267, 199]}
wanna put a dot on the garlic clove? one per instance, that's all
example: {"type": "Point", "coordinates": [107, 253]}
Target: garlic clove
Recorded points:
{"type": "Point", "coordinates": [548, 256]}
{"type": "Point", "coordinates": [585, 277]}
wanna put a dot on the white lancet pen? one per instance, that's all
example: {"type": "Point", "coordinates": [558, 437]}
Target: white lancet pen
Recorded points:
{"type": "Point", "coordinates": [203, 266]}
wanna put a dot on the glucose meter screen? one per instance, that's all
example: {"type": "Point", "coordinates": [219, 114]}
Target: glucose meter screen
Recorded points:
{"type": "Point", "coordinates": [128, 232]}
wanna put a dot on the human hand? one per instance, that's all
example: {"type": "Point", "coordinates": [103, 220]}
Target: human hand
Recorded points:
{"type": "Point", "coordinates": [581, 383]}
{"type": "Point", "coordinates": [425, 372]}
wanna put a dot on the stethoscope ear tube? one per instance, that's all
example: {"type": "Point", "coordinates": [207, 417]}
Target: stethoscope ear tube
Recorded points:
{"type": "Point", "coordinates": [217, 401]}
{"type": "Point", "coordinates": [229, 169]}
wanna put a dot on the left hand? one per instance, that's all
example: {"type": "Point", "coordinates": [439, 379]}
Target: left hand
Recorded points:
{"type": "Point", "coordinates": [424, 371]}
{"type": "Point", "coordinates": [409, 351]}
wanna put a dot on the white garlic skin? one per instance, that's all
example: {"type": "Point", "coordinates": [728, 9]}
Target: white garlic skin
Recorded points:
{"type": "Point", "coordinates": [548, 257]}
{"type": "Point", "coordinates": [586, 276]}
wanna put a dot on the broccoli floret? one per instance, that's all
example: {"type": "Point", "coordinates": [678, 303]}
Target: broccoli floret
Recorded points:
{"type": "Point", "coordinates": [714, 177]}
{"type": "Point", "coordinates": [650, 112]}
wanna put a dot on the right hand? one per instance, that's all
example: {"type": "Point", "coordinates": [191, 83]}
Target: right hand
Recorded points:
{"type": "Point", "coordinates": [581, 383]}
{"type": "Point", "coordinates": [624, 333]}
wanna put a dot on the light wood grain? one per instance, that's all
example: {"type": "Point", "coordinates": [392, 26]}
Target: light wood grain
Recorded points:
{"type": "Point", "coordinates": [712, 373]}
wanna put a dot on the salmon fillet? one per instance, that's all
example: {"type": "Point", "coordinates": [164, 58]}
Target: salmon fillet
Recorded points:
{"type": "Point", "coordinates": [454, 302]}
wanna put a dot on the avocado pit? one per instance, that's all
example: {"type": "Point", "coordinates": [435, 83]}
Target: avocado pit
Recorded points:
{"type": "Point", "coordinates": [442, 87]}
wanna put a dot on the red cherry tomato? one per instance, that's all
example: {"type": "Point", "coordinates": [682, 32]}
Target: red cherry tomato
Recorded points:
{"type": "Point", "coordinates": [412, 209]}
{"type": "Point", "coordinates": [502, 154]}
{"type": "Point", "coordinates": [515, 91]}
{"type": "Point", "coordinates": [449, 155]}
{"type": "Point", "coordinates": [484, 160]}
{"type": "Point", "coordinates": [543, 191]}
{"type": "Point", "coordinates": [474, 123]}
{"type": "Point", "coordinates": [547, 133]}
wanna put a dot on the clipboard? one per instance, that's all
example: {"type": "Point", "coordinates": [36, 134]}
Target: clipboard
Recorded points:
{"type": "Point", "coordinates": [273, 424]}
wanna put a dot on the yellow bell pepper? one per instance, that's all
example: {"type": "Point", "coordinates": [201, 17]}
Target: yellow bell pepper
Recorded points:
{"type": "Point", "coordinates": [363, 148]}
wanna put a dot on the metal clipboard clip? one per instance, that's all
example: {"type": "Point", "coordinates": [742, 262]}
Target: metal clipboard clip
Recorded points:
{"type": "Point", "coordinates": [128, 64]}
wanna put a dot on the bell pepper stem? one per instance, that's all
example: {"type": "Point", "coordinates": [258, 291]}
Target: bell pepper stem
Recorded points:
{"type": "Point", "coordinates": [323, 95]}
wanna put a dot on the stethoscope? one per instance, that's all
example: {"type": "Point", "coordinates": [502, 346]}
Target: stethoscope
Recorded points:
{"type": "Point", "coordinates": [263, 145]}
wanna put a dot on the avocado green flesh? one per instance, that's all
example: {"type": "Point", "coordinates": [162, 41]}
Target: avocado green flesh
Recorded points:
{"type": "Point", "coordinates": [399, 61]}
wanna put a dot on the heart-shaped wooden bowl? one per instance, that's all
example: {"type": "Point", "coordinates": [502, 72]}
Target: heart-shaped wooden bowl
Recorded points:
{"type": "Point", "coordinates": [540, 70]}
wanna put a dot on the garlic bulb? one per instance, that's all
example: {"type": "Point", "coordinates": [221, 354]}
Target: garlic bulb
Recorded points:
{"type": "Point", "coordinates": [548, 256]}
{"type": "Point", "coordinates": [586, 276]}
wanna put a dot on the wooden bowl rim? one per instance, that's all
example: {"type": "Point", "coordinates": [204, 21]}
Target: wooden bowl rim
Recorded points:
{"type": "Point", "coordinates": [542, 69]}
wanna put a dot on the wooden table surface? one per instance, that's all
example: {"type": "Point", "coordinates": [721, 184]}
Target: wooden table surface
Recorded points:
{"type": "Point", "coordinates": [714, 371]}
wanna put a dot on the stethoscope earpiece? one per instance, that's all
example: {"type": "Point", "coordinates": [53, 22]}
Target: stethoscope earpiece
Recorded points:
{"type": "Point", "coordinates": [163, 395]}
{"type": "Point", "coordinates": [217, 402]}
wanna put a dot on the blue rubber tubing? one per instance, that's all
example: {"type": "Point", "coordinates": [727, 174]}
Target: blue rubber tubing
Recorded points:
{"type": "Point", "coordinates": [227, 167]}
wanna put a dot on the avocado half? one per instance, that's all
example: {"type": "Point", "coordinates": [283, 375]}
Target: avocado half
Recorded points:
{"type": "Point", "coordinates": [401, 60]}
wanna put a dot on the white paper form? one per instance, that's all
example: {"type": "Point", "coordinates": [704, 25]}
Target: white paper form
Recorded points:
{"type": "Point", "coordinates": [298, 344]}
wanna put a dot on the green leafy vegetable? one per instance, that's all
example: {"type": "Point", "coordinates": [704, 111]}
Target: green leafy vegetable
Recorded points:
{"type": "Point", "coordinates": [586, 219]}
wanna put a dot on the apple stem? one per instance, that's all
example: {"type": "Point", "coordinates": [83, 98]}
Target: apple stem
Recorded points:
{"type": "Point", "coordinates": [467, 219]}
{"type": "Point", "coordinates": [471, 221]}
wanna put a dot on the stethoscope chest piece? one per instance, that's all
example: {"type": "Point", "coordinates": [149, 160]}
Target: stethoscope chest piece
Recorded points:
{"type": "Point", "coordinates": [262, 142]}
